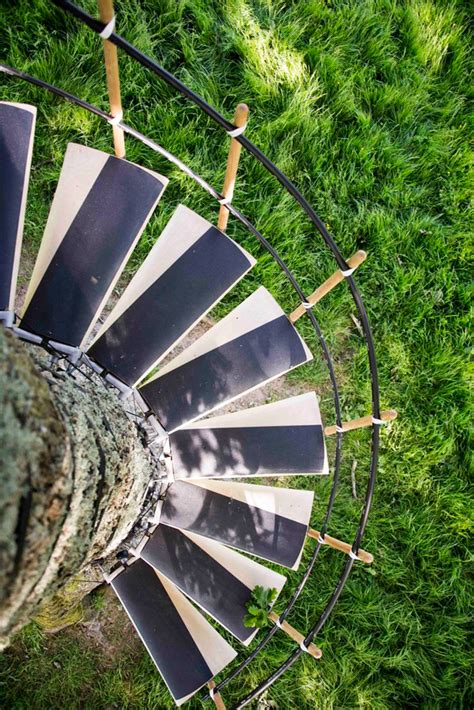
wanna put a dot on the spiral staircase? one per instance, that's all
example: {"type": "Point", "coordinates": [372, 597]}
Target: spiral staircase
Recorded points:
{"type": "Point", "coordinates": [211, 519]}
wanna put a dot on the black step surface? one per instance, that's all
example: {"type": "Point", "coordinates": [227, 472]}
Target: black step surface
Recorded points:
{"type": "Point", "coordinates": [170, 306]}
{"type": "Point", "coordinates": [202, 578]}
{"type": "Point", "coordinates": [247, 451]}
{"type": "Point", "coordinates": [233, 522]}
{"type": "Point", "coordinates": [92, 253]}
{"type": "Point", "coordinates": [16, 135]}
{"type": "Point", "coordinates": [162, 629]}
{"type": "Point", "coordinates": [228, 371]}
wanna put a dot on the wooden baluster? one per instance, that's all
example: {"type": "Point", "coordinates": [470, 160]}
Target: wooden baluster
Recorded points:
{"type": "Point", "coordinates": [240, 119]}
{"type": "Point", "coordinates": [333, 542]}
{"type": "Point", "coordinates": [218, 702]}
{"type": "Point", "coordinates": [295, 635]}
{"type": "Point", "coordinates": [387, 416]}
{"type": "Point", "coordinates": [106, 10]}
{"type": "Point", "coordinates": [328, 285]}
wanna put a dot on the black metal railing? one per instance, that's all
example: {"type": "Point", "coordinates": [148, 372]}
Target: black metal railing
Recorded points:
{"type": "Point", "coordinates": [97, 26]}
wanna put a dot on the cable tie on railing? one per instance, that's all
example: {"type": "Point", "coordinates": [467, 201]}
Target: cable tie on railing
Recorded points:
{"type": "Point", "coordinates": [108, 29]}
{"type": "Point", "coordinates": [237, 131]}
{"type": "Point", "coordinates": [303, 646]}
{"type": "Point", "coordinates": [278, 622]}
{"type": "Point", "coordinates": [348, 272]}
{"type": "Point", "coordinates": [115, 120]}
{"type": "Point", "coordinates": [377, 421]}
{"type": "Point", "coordinates": [321, 540]}
{"type": "Point", "coordinates": [339, 429]}
{"type": "Point", "coordinates": [212, 692]}
{"type": "Point", "coordinates": [225, 200]}
{"type": "Point", "coordinates": [352, 555]}
{"type": "Point", "coordinates": [307, 305]}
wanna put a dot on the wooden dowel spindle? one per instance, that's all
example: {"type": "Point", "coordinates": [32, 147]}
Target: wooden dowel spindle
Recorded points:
{"type": "Point", "coordinates": [295, 635]}
{"type": "Point", "coordinates": [218, 702]}
{"type": "Point", "coordinates": [387, 416]}
{"type": "Point", "coordinates": [240, 119]}
{"type": "Point", "coordinates": [341, 546]}
{"type": "Point", "coordinates": [355, 261]}
{"type": "Point", "coordinates": [106, 10]}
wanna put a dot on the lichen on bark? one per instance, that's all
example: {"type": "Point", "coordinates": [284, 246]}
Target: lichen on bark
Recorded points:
{"type": "Point", "coordinates": [74, 472]}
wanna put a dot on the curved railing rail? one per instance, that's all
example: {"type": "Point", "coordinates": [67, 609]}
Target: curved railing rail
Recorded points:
{"type": "Point", "coordinates": [97, 26]}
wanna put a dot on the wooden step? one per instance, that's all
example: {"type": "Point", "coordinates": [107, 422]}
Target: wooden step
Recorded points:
{"type": "Point", "coordinates": [254, 344]}
{"type": "Point", "coordinates": [186, 649]}
{"type": "Point", "coordinates": [17, 126]}
{"type": "Point", "coordinates": [217, 579]}
{"type": "Point", "coordinates": [267, 522]}
{"type": "Point", "coordinates": [189, 269]}
{"type": "Point", "coordinates": [279, 439]}
{"type": "Point", "coordinates": [99, 211]}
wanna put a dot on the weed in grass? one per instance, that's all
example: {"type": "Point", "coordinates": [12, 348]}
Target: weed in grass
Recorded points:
{"type": "Point", "coordinates": [97, 599]}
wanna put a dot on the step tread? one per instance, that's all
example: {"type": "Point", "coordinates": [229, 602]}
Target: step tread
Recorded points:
{"type": "Point", "coordinates": [189, 269]}
{"type": "Point", "coordinates": [217, 579]}
{"type": "Point", "coordinates": [281, 438]}
{"type": "Point", "coordinates": [99, 210]}
{"type": "Point", "coordinates": [17, 126]}
{"type": "Point", "coordinates": [187, 651]}
{"type": "Point", "coordinates": [254, 344]}
{"type": "Point", "coordinates": [264, 521]}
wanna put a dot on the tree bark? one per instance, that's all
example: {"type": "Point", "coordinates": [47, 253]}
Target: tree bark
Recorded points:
{"type": "Point", "coordinates": [74, 473]}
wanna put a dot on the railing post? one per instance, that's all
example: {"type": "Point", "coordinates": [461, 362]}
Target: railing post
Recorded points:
{"type": "Point", "coordinates": [386, 416]}
{"type": "Point", "coordinates": [216, 697]}
{"type": "Point", "coordinates": [336, 278]}
{"type": "Point", "coordinates": [106, 10]}
{"type": "Point", "coordinates": [295, 635]}
{"type": "Point", "coordinates": [240, 119]}
{"type": "Point", "coordinates": [333, 542]}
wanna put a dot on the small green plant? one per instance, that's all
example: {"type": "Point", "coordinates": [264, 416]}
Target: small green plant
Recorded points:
{"type": "Point", "coordinates": [32, 638]}
{"type": "Point", "coordinates": [97, 599]}
{"type": "Point", "coordinates": [258, 606]}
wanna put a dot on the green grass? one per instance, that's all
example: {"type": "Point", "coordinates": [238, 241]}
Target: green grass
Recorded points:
{"type": "Point", "coordinates": [365, 105]}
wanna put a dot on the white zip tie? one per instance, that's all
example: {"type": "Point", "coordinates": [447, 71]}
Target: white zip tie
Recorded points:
{"type": "Point", "coordinates": [339, 429]}
{"type": "Point", "coordinates": [115, 120]}
{"type": "Point", "coordinates": [348, 272]}
{"type": "Point", "coordinates": [278, 623]}
{"type": "Point", "coordinates": [108, 29]}
{"type": "Point", "coordinates": [307, 305]}
{"type": "Point", "coordinates": [377, 421]}
{"type": "Point", "coordinates": [303, 646]}
{"type": "Point", "coordinates": [225, 201]}
{"type": "Point", "coordinates": [353, 556]}
{"type": "Point", "coordinates": [237, 131]}
{"type": "Point", "coordinates": [321, 540]}
{"type": "Point", "coordinates": [212, 692]}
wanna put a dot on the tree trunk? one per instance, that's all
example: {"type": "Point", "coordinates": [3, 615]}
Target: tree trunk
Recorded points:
{"type": "Point", "coordinates": [74, 474]}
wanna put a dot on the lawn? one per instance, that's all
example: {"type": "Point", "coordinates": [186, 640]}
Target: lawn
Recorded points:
{"type": "Point", "coordinates": [365, 106]}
